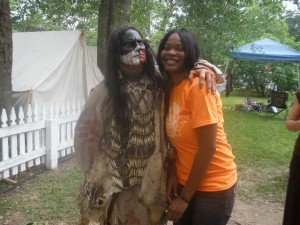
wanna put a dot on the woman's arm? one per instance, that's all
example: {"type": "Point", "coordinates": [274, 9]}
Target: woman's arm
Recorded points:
{"type": "Point", "coordinates": [207, 139]}
{"type": "Point", "coordinates": [292, 122]}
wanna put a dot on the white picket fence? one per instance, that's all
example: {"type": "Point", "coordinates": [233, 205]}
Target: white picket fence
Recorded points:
{"type": "Point", "coordinates": [40, 136]}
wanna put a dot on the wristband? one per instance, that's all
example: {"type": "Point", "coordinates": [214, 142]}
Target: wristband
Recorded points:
{"type": "Point", "coordinates": [183, 199]}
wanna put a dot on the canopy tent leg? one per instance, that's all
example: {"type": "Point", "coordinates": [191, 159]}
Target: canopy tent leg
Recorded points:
{"type": "Point", "coordinates": [229, 76]}
{"type": "Point", "coordinates": [298, 76]}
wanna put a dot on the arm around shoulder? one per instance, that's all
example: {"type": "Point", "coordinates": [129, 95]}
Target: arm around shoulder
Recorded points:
{"type": "Point", "coordinates": [204, 64]}
{"type": "Point", "coordinates": [207, 72]}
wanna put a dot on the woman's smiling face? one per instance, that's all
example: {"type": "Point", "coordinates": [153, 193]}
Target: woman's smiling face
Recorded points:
{"type": "Point", "coordinates": [173, 55]}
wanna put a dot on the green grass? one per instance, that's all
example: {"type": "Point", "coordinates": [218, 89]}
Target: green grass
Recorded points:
{"type": "Point", "coordinates": [262, 147]}
{"type": "Point", "coordinates": [50, 197]}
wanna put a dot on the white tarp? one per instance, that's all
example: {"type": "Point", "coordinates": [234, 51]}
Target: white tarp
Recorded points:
{"type": "Point", "coordinates": [52, 67]}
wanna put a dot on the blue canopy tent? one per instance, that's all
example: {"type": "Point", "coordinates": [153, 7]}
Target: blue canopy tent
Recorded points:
{"type": "Point", "coordinates": [267, 50]}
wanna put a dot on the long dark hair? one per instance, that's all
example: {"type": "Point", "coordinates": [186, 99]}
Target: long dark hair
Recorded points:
{"type": "Point", "coordinates": [192, 55]}
{"type": "Point", "coordinates": [113, 81]}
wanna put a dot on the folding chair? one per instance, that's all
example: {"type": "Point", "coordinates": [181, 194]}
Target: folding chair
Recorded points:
{"type": "Point", "coordinates": [278, 104]}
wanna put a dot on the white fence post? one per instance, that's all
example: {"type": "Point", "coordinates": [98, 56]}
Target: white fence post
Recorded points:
{"type": "Point", "coordinates": [52, 138]}
{"type": "Point", "coordinates": [38, 137]}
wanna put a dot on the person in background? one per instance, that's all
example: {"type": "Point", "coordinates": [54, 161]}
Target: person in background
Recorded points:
{"type": "Point", "coordinates": [202, 173]}
{"type": "Point", "coordinates": [120, 140]}
{"type": "Point", "coordinates": [291, 215]}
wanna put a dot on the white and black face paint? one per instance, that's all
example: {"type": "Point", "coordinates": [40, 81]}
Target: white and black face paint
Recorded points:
{"type": "Point", "coordinates": [132, 49]}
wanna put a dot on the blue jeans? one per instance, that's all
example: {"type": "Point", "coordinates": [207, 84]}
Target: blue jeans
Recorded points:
{"type": "Point", "coordinates": [209, 208]}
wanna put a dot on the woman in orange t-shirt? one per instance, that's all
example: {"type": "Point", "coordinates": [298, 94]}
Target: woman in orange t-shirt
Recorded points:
{"type": "Point", "coordinates": [201, 179]}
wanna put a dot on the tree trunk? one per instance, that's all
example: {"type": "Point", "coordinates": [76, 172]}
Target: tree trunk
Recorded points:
{"type": "Point", "coordinates": [229, 78]}
{"type": "Point", "coordinates": [112, 14]}
{"type": "Point", "coordinates": [5, 55]}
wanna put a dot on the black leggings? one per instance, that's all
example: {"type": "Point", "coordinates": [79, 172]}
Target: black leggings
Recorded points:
{"type": "Point", "coordinates": [291, 214]}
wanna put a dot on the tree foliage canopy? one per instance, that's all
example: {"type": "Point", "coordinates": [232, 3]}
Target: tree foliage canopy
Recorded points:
{"type": "Point", "coordinates": [219, 26]}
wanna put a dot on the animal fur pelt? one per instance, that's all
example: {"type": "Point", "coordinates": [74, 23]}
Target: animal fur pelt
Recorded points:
{"type": "Point", "coordinates": [153, 187]}
{"type": "Point", "coordinates": [153, 190]}
{"type": "Point", "coordinates": [96, 193]}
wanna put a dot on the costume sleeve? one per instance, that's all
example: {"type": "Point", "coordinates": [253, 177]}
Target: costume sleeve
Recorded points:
{"type": "Point", "coordinates": [201, 63]}
{"type": "Point", "coordinates": [89, 128]}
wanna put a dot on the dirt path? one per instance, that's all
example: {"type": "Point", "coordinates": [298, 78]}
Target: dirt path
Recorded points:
{"type": "Point", "coordinates": [256, 213]}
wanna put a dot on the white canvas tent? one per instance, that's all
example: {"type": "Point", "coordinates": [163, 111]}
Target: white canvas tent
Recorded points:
{"type": "Point", "coordinates": [93, 51]}
{"type": "Point", "coordinates": [52, 67]}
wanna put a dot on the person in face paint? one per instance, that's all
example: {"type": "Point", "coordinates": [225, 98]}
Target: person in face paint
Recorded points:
{"type": "Point", "coordinates": [133, 49]}
{"type": "Point", "coordinates": [119, 137]}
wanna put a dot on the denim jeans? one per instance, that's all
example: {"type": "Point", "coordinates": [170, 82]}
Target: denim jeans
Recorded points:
{"type": "Point", "coordinates": [209, 208]}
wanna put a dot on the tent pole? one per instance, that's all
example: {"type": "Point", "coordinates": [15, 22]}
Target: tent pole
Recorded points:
{"type": "Point", "coordinates": [298, 76]}
{"type": "Point", "coordinates": [225, 71]}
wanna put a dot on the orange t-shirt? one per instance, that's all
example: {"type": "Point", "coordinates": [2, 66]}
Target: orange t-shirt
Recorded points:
{"type": "Point", "coordinates": [191, 107]}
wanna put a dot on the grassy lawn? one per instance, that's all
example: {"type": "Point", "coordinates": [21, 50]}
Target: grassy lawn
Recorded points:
{"type": "Point", "coordinates": [47, 199]}
{"type": "Point", "coordinates": [262, 147]}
